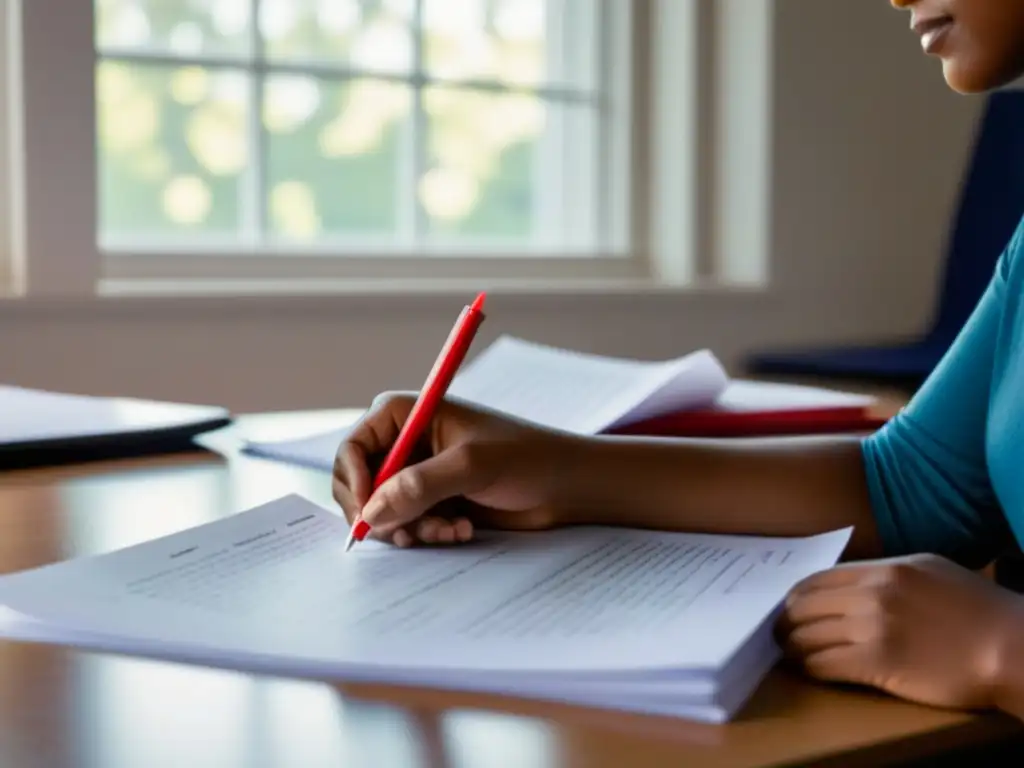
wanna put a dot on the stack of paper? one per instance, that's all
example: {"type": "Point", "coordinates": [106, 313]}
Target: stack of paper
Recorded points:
{"type": "Point", "coordinates": [664, 623]}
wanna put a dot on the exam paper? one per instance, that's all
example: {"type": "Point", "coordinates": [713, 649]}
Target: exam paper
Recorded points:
{"type": "Point", "coordinates": [274, 587]}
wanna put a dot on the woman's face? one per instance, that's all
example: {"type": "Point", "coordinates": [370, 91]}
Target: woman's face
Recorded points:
{"type": "Point", "coordinates": [980, 42]}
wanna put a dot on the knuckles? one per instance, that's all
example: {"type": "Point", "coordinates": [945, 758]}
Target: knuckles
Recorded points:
{"type": "Point", "coordinates": [466, 458]}
{"type": "Point", "coordinates": [409, 486]}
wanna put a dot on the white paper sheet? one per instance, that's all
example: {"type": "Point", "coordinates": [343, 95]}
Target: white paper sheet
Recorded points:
{"type": "Point", "coordinates": [275, 581]}
{"type": "Point", "coordinates": [582, 393]}
{"type": "Point", "coordinates": [28, 415]}
{"type": "Point", "coordinates": [314, 451]}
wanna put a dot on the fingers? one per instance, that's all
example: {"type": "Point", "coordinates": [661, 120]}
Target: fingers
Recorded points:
{"type": "Point", "coordinates": [806, 607]}
{"type": "Point", "coordinates": [373, 435]}
{"type": "Point", "coordinates": [379, 428]}
{"type": "Point", "coordinates": [840, 576]}
{"type": "Point", "coordinates": [837, 664]}
{"type": "Point", "coordinates": [439, 530]}
{"type": "Point", "coordinates": [414, 491]}
{"type": "Point", "coordinates": [432, 530]}
{"type": "Point", "coordinates": [805, 640]}
{"type": "Point", "coordinates": [351, 483]}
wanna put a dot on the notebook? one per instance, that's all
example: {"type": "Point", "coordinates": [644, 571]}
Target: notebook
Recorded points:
{"type": "Point", "coordinates": [662, 623]}
{"type": "Point", "coordinates": [43, 427]}
{"type": "Point", "coordinates": [691, 396]}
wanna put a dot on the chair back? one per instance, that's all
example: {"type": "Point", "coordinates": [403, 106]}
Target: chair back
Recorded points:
{"type": "Point", "coordinates": [991, 207]}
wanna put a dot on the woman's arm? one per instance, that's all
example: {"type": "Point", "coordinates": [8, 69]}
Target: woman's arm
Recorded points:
{"type": "Point", "coordinates": [1008, 669]}
{"type": "Point", "coordinates": [921, 484]}
{"type": "Point", "coordinates": [776, 487]}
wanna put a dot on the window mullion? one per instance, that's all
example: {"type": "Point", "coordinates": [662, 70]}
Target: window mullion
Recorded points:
{"type": "Point", "coordinates": [254, 180]}
{"type": "Point", "coordinates": [418, 126]}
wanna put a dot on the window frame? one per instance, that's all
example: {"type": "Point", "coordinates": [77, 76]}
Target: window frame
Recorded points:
{"type": "Point", "coordinates": [7, 276]}
{"type": "Point", "coordinates": [69, 258]}
{"type": "Point", "coordinates": [688, 59]}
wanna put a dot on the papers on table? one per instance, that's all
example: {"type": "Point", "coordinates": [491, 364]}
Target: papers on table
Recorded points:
{"type": "Point", "coordinates": [663, 623]}
{"type": "Point", "coordinates": [313, 451]}
{"type": "Point", "coordinates": [587, 394]}
{"type": "Point", "coordinates": [42, 422]}
{"type": "Point", "coordinates": [32, 415]}
{"type": "Point", "coordinates": [583, 393]}
{"type": "Point", "coordinates": [556, 388]}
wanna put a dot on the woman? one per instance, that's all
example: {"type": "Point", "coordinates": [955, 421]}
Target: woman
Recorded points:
{"type": "Point", "coordinates": [936, 492]}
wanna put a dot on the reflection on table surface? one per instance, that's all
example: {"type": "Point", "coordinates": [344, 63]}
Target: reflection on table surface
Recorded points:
{"type": "Point", "coordinates": [61, 708]}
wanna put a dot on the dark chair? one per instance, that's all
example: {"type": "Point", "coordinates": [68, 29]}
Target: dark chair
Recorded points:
{"type": "Point", "coordinates": [991, 205]}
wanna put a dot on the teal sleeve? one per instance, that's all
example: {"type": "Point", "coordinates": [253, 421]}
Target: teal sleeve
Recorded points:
{"type": "Point", "coordinates": [926, 469]}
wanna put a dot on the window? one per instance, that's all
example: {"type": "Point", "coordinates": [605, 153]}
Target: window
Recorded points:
{"type": "Point", "coordinates": [183, 145]}
{"type": "Point", "coordinates": [355, 127]}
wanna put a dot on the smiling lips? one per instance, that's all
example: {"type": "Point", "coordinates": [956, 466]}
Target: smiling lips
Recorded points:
{"type": "Point", "coordinates": [932, 31]}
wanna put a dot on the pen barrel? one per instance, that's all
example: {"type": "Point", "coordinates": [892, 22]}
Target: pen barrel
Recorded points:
{"type": "Point", "coordinates": [434, 389]}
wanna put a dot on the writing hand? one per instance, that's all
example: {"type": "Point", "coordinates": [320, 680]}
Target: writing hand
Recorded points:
{"type": "Point", "coordinates": [473, 468]}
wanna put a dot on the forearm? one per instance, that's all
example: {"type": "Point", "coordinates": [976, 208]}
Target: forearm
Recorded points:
{"type": "Point", "coordinates": [1007, 668]}
{"type": "Point", "coordinates": [783, 487]}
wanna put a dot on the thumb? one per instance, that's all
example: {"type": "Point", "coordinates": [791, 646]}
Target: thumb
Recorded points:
{"type": "Point", "coordinates": [417, 489]}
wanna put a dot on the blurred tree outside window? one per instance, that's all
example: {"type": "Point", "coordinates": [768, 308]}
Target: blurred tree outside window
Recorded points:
{"type": "Point", "coordinates": [332, 122]}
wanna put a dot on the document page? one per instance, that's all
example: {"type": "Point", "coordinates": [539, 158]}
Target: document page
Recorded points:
{"type": "Point", "coordinates": [275, 581]}
{"type": "Point", "coordinates": [315, 451]}
{"type": "Point", "coordinates": [584, 393]}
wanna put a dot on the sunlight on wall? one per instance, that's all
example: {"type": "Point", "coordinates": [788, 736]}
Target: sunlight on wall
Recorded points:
{"type": "Point", "coordinates": [171, 132]}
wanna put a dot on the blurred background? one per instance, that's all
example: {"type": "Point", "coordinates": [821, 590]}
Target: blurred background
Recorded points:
{"type": "Point", "coordinates": [275, 204]}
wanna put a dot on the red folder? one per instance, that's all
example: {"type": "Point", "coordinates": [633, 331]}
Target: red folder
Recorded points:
{"type": "Point", "coordinates": [763, 409]}
{"type": "Point", "coordinates": [721, 423]}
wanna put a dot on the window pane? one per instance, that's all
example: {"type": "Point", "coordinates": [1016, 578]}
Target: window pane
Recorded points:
{"type": "Point", "coordinates": [367, 35]}
{"type": "Point", "coordinates": [334, 155]}
{"type": "Point", "coordinates": [183, 27]}
{"type": "Point", "coordinates": [172, 149]}
{"type": "Point", "coordinates": [526, 43]}
{"type": "Point", "coordinates": [482, 149]}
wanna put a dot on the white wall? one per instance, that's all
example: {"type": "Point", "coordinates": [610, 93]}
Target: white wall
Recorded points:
{"type": "Point", "coordinates": [868, 151]}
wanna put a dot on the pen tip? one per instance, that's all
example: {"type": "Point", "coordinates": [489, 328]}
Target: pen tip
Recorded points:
{"type": "Point", "coordinates": [478, 303]}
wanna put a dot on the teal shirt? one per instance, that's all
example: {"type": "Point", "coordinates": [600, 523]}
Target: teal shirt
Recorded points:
{"type": "Point", "coordinates": [946, 476]}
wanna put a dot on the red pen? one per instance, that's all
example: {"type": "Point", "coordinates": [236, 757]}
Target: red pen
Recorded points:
{"type": "Point", "coordinates": [434, 389]}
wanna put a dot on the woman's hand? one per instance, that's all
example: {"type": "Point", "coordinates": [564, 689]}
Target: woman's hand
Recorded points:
{"type": "Point", "coordinates": [472, 468]}
{"type": "Point", "coordinates": [920, 628]}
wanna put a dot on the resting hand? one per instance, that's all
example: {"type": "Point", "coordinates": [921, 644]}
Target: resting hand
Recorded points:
{"type": "Point", "coordinates": [920, 628]}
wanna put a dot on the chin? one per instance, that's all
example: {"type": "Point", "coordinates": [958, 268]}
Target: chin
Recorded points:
{"type": "Point", "coordinates": [973, 78]}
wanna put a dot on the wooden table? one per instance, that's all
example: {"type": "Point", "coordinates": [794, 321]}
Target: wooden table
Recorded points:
{"type": "Point", "coordinates": [60, 708]}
